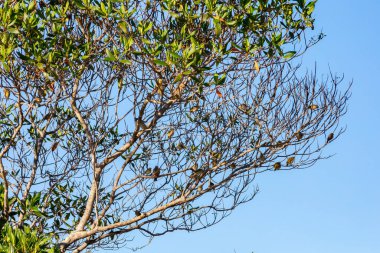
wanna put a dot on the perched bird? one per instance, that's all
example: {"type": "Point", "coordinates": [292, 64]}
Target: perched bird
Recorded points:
{"type": "Point", "coordinates": [6, 93]}
{"type": "Point", "coordinates": [194, 167]}
{"type": "Point", "coordinates": [54, 146]}
{"type": "Point", "coordinates": [262, 158]}
{"type": "Point", "coordinates": [216, 155]}
{"type": "Point", "coordinates": [156, 173]}
{"type": "Point", "coordinates": [181, 146]}
{"type": "Point", "coordinates": [257, 66]}
{"type": "Point", "coordinates": [137, 212]}
{"type": "Point", "coordinates": [194, 108]}
{"type": "Point", "coordinates": [160, 87]}
{"type": "Point", "coordinates": [148, 171]}
{"type": "Point", "coordinates": [279, 144]}
{"type": "Point", "coordinates": [218, 93]}
{"type": "Point", "coordinates": [197, 174]}
{"type": "Point", "coordinates": [313, 107]}
{"type": "Point", "coordinates": [37, 100]}
{"type": "Point", "coordinates": [299, 135]}
{"type": "Point", "coordinates": [170, 133]}
{"type": "Point", "coordinates": [330, 137]}
{"type": "Point", "coordinates": [290, 160]}
{"type": "Point", "coordinates": [245, 108]}
{"type": "Point", "coordinates": [277, 166]}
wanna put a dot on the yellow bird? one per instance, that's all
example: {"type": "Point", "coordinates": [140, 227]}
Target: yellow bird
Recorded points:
{"type": "Point", "coordinates": [313, 107]}
{"type": "Point", "coordinates": [6, 93]}
{"type": "Point", "coordinates": [257, 66]}
{"type": "Point", "coordinates": [194, 108]}
{"type": "Point", "coordinates": [37, 100]}
{"type": "Point", "coordinates": [170, 133]}
{"type": "Point", "coordinates": [277, 166]}
{"type": "Point", "coordinates": [160, 87]}
{"type": "Point", "coordinates": [290, 160]}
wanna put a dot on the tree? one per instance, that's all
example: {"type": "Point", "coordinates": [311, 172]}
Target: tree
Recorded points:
{"type": "Point", "coordinates": [24, 239]}
{"type": "Point", "coordinates": [131, 117]}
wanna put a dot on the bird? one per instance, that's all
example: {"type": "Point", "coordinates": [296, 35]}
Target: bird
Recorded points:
{"type": "Point", "coordinates": [313, 107]}
{"type": "Point", "coordinates": [160, 87]}
{"type": "Point", "coordinates": [148, 171]}
{"type": "Point", "coordinates": [245, 108]}
{"type": "Point", "coordinates": [137, 212]}
{"type": "Point", "coordinates": [290, 160]}
{"type": "Point", "coordinates": [197, 174]}
{"type": "Point", "coordinates": [6, 93]}
{"type": "Point", "coordinates": [181, 146]}
{"type": "Point", "coordinates": [170, 133]}
{"type": "Point", "coordinates": [277, 166]}
{"type": "Point", "coordinates": [194, 108]}
{"type": "Point", "coordinates": [262, 158]}
{"type": "Point", "coordinates": [257, 66]}
{"type": "Point", "coordinates": [37, 100]}
{"type": "Point", "coordinates": [54, 146]}
{"type": "Point", "coordinates": [299, 135]}
{"type": "Point", "coordinates": [330, 137]}
{"type": "Point", "coordinates": [156, 173]}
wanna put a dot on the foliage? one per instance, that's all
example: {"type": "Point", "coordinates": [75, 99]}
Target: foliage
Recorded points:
{"type": "Point", "coordinates": [127, 117]}
{"type": "Point", "coordinates": [24, 239]}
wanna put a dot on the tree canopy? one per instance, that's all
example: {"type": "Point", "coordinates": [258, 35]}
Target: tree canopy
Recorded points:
{"type": "Point", "coordinates": [120, 118]}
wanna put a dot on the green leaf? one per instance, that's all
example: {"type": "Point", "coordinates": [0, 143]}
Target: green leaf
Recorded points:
{"type": "Point", "coordinates": [159, 62]}
{"type": "Point", "coordinates": [123, 27]}
{"type": "Point", "coordinates": [110, 56]}
{"type": "Point", "coordinates": [103, 8]}
{"type": "Point", "coordinates": [31, 5]}
{"type": "Point", "coordinates": [13, 30]}
{"type": "Point", "coordinates": [289, 54]}
{"type": "Point", "coordinates": [128, 62]}
{"type": "Point", "coordinates": [37, 212]}
{"type": "Point", "coordinates": [148, 27]}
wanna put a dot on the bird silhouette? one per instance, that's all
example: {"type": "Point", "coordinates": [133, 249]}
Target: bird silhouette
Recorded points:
{"type": "Point", "coordinates": [330, 137]}
{"type": "Point", "coordinates": [277, 166]}
{"type": "Point", "coordinates": [156, 173]}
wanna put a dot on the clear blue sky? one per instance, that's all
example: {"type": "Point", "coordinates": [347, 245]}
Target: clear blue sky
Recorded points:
{"type": "Point", "coordinates": [333, 207]}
